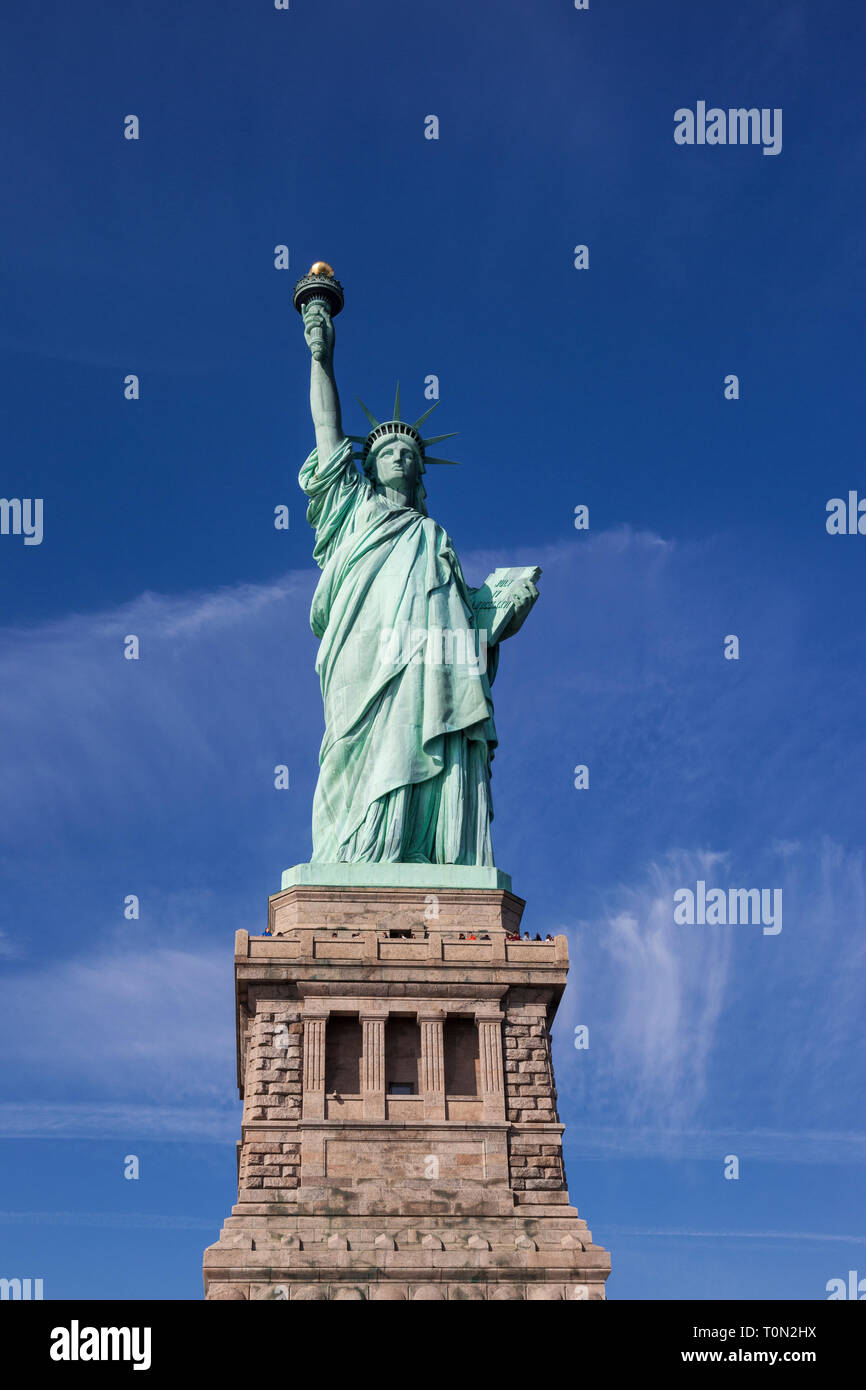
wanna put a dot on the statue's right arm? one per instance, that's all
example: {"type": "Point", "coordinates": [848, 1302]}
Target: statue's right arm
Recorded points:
{"type": "Point", "coordinates": [324, 400]}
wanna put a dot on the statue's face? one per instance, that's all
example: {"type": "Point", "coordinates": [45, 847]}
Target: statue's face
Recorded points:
{"type": "Point", "coordinates": [396, 464]}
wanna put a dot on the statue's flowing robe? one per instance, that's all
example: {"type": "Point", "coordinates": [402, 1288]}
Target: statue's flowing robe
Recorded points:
{"type": "Point", "coordinates": [405, 761]}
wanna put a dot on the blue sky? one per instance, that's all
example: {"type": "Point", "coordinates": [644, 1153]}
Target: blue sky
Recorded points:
{"type": "Point", "coordinates": [602, 387]}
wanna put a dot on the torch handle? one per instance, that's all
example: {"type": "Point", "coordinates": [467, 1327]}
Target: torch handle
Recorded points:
{"type": "Point", "coordinates": [317, 332]}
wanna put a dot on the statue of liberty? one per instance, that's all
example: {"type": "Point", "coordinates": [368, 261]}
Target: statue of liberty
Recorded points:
{"type": "Point", "coordinates": [408, 650]}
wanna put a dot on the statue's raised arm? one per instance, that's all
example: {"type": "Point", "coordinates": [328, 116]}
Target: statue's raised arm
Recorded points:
{"type": "Point", "coordinates": [318, 303]}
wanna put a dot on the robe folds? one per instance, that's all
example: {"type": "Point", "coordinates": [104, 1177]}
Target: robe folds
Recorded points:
{"type": "Point", "coordinates": [404, 767]}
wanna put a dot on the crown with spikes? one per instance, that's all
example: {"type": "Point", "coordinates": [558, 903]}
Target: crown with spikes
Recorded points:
{"type": "Point", "coordinates": [398, 426]}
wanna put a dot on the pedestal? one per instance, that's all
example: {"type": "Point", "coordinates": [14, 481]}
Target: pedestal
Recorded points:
{"type": "Point", "coordinates": [400, 1137]}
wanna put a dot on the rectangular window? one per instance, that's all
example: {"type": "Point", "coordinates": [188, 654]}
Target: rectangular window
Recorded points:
{"type": "Point", "coordinates": [402, 1050]}
{"type": "Point", "coordinates": [343, 1040]}
{"type": "Point", "coordinates": [461, 1057]}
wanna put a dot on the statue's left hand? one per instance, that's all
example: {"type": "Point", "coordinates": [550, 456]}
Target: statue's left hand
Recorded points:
{"type": "Point", "coordinates": [524, 597]}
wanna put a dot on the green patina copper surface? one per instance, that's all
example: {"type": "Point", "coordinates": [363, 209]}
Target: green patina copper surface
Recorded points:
{"type": "Point", "coordinates": [427, 876]}
{"type": "Point", "coordinates": [407, 659]}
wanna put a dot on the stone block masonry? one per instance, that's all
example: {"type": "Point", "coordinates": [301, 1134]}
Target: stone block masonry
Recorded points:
{"type": "Point", "coordinates": [400, 1136]}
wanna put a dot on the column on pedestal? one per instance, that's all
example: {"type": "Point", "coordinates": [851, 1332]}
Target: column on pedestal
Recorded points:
{"type": "Point", "coordinates": [314, 1067]}
{"type": "Point", "coordinates": [489, 1024]}
{"type": "Point", "coordinates": [373, 1063]}
{"type": "Point", "coordinates": [432, 1076]}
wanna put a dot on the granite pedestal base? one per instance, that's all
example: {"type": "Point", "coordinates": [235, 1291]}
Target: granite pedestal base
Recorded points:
{"type": "Point", "coordinates": [400, 1137]}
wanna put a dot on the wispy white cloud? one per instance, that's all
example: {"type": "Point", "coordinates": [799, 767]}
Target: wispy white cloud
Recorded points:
{"type": "Point", "coordinates": [682, 1015]}
{"type": "Point", "coordinates": [91, 736]}
{"type": "Point", "coordinates": [154, 1024]}
{"type": "Point", "coordinates": [804, 1237]}
{"type": "Point", "coordinates": [127, 1121]}
{"type": "Point", "coordinates": [656, 995]}
{"type": "Point", "coordinates": [111, 1220]}
{"type": "Point", "coordinates": [591, 1142]}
